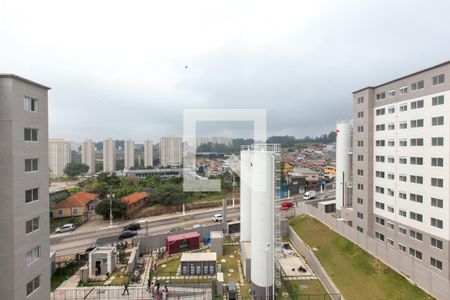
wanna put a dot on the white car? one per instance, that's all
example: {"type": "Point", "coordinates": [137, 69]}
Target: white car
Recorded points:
{"type": "Point", "coordinates": [217, 217]}
{"type": "Point", "coordinates": [66, 228]}
{"type": "Point", "coordinates": [195, 226]}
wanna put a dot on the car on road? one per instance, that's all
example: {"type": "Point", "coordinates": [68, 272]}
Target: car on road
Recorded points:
{"type": "Point", "coordinates": [132, 226]}
{"type": "Point", "coordinates": [195, 226]}
{"type": "Point", "coordinates": [175, 230]}
{"type": "Point", "coordinates": [309, 195]}
{"type": "Point", "coordinates": [66, 228]}
{"type": "Point", "coordinates": [217, 217]}
{"type": "Point", "coordinates": [127, 234]}
{"type": "Point", "coordinates": [287, 204]}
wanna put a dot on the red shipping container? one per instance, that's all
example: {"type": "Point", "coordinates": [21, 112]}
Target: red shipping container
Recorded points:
{"type": "Point", "coordinates": [182, 242]}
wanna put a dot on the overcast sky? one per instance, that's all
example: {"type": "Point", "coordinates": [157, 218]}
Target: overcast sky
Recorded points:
{"type": "Point", "coordinates": [118, 68]}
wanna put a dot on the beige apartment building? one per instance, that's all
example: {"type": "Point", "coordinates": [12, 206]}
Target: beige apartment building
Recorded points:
{"type": "Point", "coordinates": [59, 155]}
{"type": "Point", "coordinates": [128, 155]}
{"type": "Point", "coordinates": [88, 155]}
{"type": "Point", "coordinates": [24, 214]}
{"type": "Point", "coordinates": [400, 182]}
{"type": "Point", "coordinates": [171, 151]}
{"type": "Point", "coordinates": [148, 153]}
{"type": "Point", "coordinates": [109, 155]}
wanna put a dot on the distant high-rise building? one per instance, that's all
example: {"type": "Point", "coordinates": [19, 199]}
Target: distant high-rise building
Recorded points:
{"type": "Point", "coordinates": [171, 153]}
{"type": "Point", "coordinates": [24, 213]}
{"type": "Point", "coordinates": [109, 155]}
{"type": "Point", "coordinates": [397, 153]}
{"type": "Point", "coordinates": [128, 154]}
{"type": "Point", "coordinates": [59, 155]}
{"type": "Point", "coordinates": [88, 155]}
{"type": "Point", "coordinates": [148, 153]}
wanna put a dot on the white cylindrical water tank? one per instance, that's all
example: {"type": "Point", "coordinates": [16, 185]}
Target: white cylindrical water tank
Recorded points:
{"type": "Point", "coordinates": [262, 223]}
{"type": "Point", "coordinates": [245, 201]}
{"type": "Point", "coordinates": [343, 161]}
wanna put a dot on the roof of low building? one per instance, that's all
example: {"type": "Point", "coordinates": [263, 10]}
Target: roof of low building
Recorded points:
{"type": "Point", "coordinates": [198, 256]}
{"type": "Point", "coordinates": [79, 199]}
{"type": "Point", "coordinates": [183, 236]}
{"type": "Point", "coordinates": [135, 197]}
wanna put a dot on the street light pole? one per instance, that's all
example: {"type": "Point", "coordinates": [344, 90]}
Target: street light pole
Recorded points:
{"type": "Point", "coordinates": [234, 183]}
{"type": "Point", "coordinates": [110, 196]}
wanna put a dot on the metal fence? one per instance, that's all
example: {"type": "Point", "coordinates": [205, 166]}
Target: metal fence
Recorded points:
{"type": "Point", "coordinates": [434, 284]}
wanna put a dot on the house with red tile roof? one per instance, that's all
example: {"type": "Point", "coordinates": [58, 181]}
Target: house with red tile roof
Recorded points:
{"type": "Point", "coordinates": [135, 201]}
{"type": "Point", "coordinates": [77, 205]}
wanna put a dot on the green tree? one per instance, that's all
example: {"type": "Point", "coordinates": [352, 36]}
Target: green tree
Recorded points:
{"type": "Point", "coordinates": [74, 169]}
{"type": "Point", "coordinates": [168, 193]}
{"type": "Point", "coordinates": [119, 208]}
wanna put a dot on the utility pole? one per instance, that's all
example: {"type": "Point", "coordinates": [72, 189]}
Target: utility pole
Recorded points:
{"type": "Point", "coordinates": [110, 197]}
{"type": "Point", "coordinates": [234, 184]}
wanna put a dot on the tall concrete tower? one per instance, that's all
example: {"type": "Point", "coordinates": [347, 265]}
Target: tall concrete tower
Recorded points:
{"type": "Point", "coordinates": [343, 163]}
{"type": "Point", "coordinates": [88, 155]}
{"type": "Point", "coordinates": [109, 155]}
{"type": "Point", "coordinates": [148, 153]}
{"type": "Point", "coordinates": [128, 154]}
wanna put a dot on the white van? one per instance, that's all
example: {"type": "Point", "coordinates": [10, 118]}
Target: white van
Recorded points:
{"type": "Point", "coordinates": [309, 195]}
{"type": "Point", "coordinates": [217, 217]}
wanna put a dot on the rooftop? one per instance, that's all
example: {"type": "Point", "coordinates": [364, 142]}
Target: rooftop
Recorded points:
{"type": "Point", "coordinates": [135, 197]}
{"type": "Point", "coordinates": [79, 199]}
{"type": "Point", "coordinates": [183, 236]}
{"type": "Point", "coordinates": [198, 256]}
{"type": "Point", "coordinates": [13, 76]}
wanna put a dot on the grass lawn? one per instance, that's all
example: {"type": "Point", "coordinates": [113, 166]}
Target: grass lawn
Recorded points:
{"type": "Point", "coordinates": [309, 287]}
{"type": "Point", "coordinates": [356, 273]}
{"type": "Point", "coordinates": [62, 274]}
{"type": "Point", "coordinates": [205, 197]}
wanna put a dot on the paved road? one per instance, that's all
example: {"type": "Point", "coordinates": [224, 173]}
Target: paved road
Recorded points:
{"type": "Point", "coordinates": [80, 239]}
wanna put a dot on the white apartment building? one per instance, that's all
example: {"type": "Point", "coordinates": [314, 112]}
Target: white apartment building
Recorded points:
{"type": "Point", "coordinates": [24, 214]}
{"type": "Point", "coordinates": [59, 156]}
{"type": "Point", "coordinates": [109, 155]}
{"type": "Point", "coordinates": [171, 151]}
{"type": "Point", "coordinates": [128, 154]}
{"type": "Point", "coordinates": [88, 155]}
{"type": "Point", "coordinates": [401, 166]}
{"type": "Point", "coordinates": [148, 153]}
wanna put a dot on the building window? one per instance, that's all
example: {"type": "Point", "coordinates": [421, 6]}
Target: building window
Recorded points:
{"type": "Point", "coordinates": [437, 223]}
{"type": "Point", "coordinates": [360, 143]}
{"type": "Point", "coordinates": [33, 255]}
{"type": "Point", "coordinates": [379, 205]}
{"type": "Point", "coordinates": [438, 100]}
{"type": "Point", "coordinates": [391, 176]}
{"type": "Point", "coordinates": [391, 143]}
{"type": "Point", "coordinates": [360, 201]}
{"type": "Point", "coordinates": [417, 123]}
{"type": "Point", "coordinates": [415, 216]}
{"type": "Point", "coordinates": [403, 125]}
{"type": "Point", "coordinates": [417, 104]}
{"type": "Point", "coordinates": [415, 253]}
{"type": "Point", "coordinates": [360, 215]}
{"type": "Point", "coordinates": [391, 159]}
{"type": "Point", "coordinates": [416, 160]}
{"type": "Point", "coordinates": [360, 128]}
{"type": "Point", "coordinates": [360, 187]}
{"type": "Point", "coordinates": [437, 121]}
{"type": "Point", "coordinates": [31, 165]}
{"type": "Point", "coordinates": [360, 157]}
{"type": "Point", "coordinates": [30, 135]}
{"type": "Point", "coordinates": [390, 209]}
{"type": "Point", "coordinates": [380, 111]}
{"type": "Point", "coordinates": [32, 225]}
{"type": "Point", "coordinates": [379, 236]}
{"type": "Point", "coordinates": [390, 242]}
{"type": "Point", "coordinates": [390, 225]}
{"type": "Point", "coordinates": [436, 263]}
{"type": "Point", "coordinates": [437, 162]}
{"type": "Point", "coordinates": [402, 195]}
{"type": "Point", "coordinates": [379, 189]}
{"type": "Point", "coordinates": [391, 109]}
{"type": "Point", "coordinates": [437, 141]}
{"type": "Point", "coordinates": [379, 220]}
{"type": "Point", "coordinates": [379, 143]}
{"type": "Point", "coordinates": [416, 198]}
{"type": "Point", "coordinates": [437, 202]}
{"type": "Point", "coordinates": [391, 126]}
{"type": "Point", "coordinates": [31, 195]}
{"type": "Point", "coordinates": [380, 127]}
{"type": "Point", "coordinates": [437, 182]}
{"type": "Point", "coordinates": [360, 114]}
{"type": "Point", "coordinates": [416, 179]}
{"type": "Point", "coordinates": [403, 107]}
{"type": "Point", "coordinates": [418, 85]}
{"type": "Point", "coordinates": [60, 212]}
{"type": "Point", "coordinates": [437, 243]}
{"type": "Point", "coordinates": [390, 192]}
{"type": "Point", "coordinates": [402, 230]}
{"type": "Point", "coordinates": [391, 93]}
{"type": "Point", "coordinates": [379, 158]}
{"type": "Point", "coordinates": [403, 177]}
{"type": "Point", "coordinates": [402, 160]}
{"type": "Point", "coordinates": [74, 211]}
{"type": "Point", "coordinates": [402, 213]}
{"type": "Point", "coordinates": [379, 174]}
{"type": "Point", "coordinates": [416, 142]}
{"type": "Point", "coordinates": [360, 100]}
{"type": "Point", "coordinates": [416, 235]}
{"type": "Point", "coordinates": [31, 104]}
{"type": "Point", "coordinates": [381, 96]}
{"type": "Point", "coordinates": [33, 285]}
{"type": "Point", "coordinates": [401, 247]}
{"type": "Point", "coordinates": [439, 79]}
{"type": "Point", "coordinates": [360, 172]}
{"type": "Point", "coordinates": [403, 90]}
{"type": "Point", "coordinates": [359, 228]}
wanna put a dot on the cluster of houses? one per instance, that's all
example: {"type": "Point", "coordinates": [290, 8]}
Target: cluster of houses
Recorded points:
{"type": "Point", "coordinates": [82, 205]}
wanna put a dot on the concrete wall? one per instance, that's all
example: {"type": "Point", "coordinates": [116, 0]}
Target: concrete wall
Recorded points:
{"type": "Point", "coordinates": [434, 284]}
